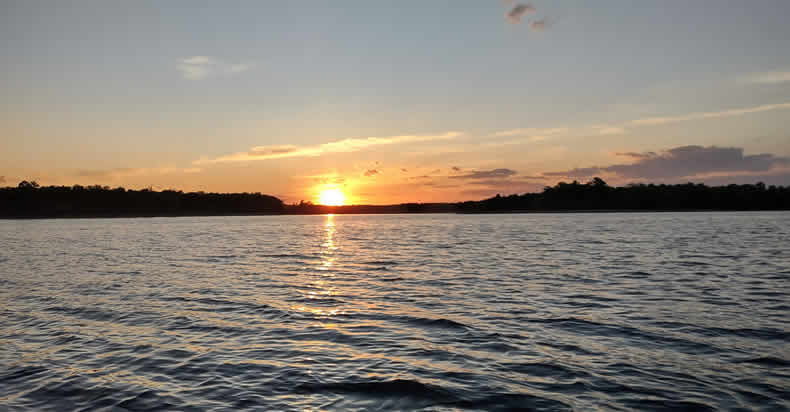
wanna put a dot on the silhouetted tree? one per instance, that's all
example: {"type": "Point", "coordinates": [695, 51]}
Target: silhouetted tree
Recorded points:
{"type": "Point", "coordinates": [28, 185]}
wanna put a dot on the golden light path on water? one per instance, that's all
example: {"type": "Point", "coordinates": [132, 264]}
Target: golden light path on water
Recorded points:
{"type": "Point", "coordinates": [322, 283]}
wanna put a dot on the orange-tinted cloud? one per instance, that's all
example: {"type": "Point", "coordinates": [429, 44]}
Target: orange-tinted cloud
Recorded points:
{"type": "Point", "coordinates": [340, 146]}
{"type": "Point", "coordinates": [122, 172]}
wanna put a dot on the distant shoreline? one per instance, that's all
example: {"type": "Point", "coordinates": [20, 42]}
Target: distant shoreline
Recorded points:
{"type": "Point", "coordinates": [30, 201]}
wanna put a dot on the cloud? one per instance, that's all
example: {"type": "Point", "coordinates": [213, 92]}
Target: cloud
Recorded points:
{"type": "Point", "coordinates": [404, 170]}
{"type": "Point", "coordinates": [534, 134]}
{"type": "Point", "coordinates": [504, 187]}
{"type": "Point", "coordinates": [486, 174]}
{"type": "Point", "coordinates": [518, 11]}
{"type": "Point", "coordinates": [196, 67]}
{"type": "Point", "coordinates": [606, 130]}
{"type": "Point", "coordinates": [539, 25]}
{"type": "Point", "coordinates": [340, 146]}
{"type": "Point", "coordinates": [578, 172]}
{"type": "Point", "coordinates": [767, 78]}
{"type": "Point", "coordinates": [456, 169]}
{"type": "Point", "coordinates": [2, 179]}
{"type": "Point", "coordinates": [694, 160]}
{"type": "Point", "coordinates": [129, 172]}
{"type": "Point", "coordinates": [652, 121]}
{"type": "Point", "coordinates": [684, 161]}
{"type": "Point", "coordinates": [327, 179]}
{"type": "Point", "coordinates": [238, 68]}
{"type": "Point", "coordinates": [637, 155]}
{"type": "Point", "coordinates": [371, 172]}
{"type": "Point", "coordinates": [530, 135]}
{"type": "Point", "coordinates": [198, 60]}
{"type": "Point", "coordinates": [200, 67]}
{"type": "Point", "coordinates": [505, 182]}
{"type": "Point", "coordinates": [272, 150]}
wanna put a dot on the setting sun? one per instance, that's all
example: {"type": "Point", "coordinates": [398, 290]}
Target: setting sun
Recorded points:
{"type": "Point", "coordinates": [331, 197]}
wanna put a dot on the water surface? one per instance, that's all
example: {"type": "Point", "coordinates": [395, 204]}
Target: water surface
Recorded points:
{"type": "Point", "coordinates": [664, 311]}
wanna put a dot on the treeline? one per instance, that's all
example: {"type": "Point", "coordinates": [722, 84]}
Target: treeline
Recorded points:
{"type": "Point", "coordinates": [28, 200]}
{"type": "Point", "coordinates": [597, 195]}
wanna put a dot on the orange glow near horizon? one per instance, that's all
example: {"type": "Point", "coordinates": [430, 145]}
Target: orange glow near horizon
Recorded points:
{"type": "Point", "coordinates": [331, 197]}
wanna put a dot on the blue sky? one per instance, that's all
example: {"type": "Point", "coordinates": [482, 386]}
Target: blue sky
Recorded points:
{"type": "Point", "coordinates": [152, 93]}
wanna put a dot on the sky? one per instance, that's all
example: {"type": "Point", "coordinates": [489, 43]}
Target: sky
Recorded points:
{"type": "Point", "coordinates": [407, 101]}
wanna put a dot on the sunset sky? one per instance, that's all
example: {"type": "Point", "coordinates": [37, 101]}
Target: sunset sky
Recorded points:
{"type": "Point", "coordinates": [398, 101]}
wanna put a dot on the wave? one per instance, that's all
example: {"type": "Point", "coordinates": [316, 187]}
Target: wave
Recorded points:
{"type": "Point", "coordinates": [392, 388]}
{"type": "Point", "coordinates": [646, 338]}
{"type": "Point", "coordinates": [429, 323]}
{"type": "Point", "coordinates": [768, 361]}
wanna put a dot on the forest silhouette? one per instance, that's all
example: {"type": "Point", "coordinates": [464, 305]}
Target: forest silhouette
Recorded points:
{"type": "Point", "coordinates": [29, 200]}
{"type": "Point", "coordinates": [596, 195]}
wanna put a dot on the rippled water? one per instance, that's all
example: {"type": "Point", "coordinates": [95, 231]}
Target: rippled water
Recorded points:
{"type": "Point", "coordinates": [668, 311]}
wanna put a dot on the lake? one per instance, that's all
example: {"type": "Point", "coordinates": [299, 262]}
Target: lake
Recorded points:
{"type": "Point", "coordinates": [555, 312]}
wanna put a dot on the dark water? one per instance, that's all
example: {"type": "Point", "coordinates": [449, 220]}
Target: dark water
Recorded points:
{"type": "Point", "coordinates": [585, 312]}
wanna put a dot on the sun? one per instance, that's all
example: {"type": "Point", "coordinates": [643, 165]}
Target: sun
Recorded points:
{"type": "Point", "coordinates": [331, 197]}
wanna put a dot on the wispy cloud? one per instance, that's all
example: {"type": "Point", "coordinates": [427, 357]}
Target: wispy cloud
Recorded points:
{"type": "Point", "coordinates": [486, 174]}
{"type": "Point", "coordinates": [637, 155]}
{"type": "Point", "coordinates": [200, 67]}
{"type": "Point", "coordinates": [340, 146]}
{"type": "Point", "coordinates": [767, 78]}
{"type": "Point", "coordinates": [518, 11]}
{"type": "Point", "coordinates": [539, 25]}
{"type": "Point", "coordinates": [652, 121]}
{"type": "Point", "coordinates": [528, 135]}
{"type": "Point", "coordinates": [533, 134]}
{"type": "Point", "coordinates": [684, 161]}
{"type": "Point", "coordinates": [371, 172]}
{"type": "Point", "coordinates": [327, 179]}
{"type": "Point", "coordinates": [238, 68]}
{"type": "Point", "coordinates": [576, 173]}
{"type": "Point", "coordinates": [122, 172]}
{"type": "Point", "coordinates": [606, 130]}
{"type": "Point", "coordinates": [263, 151]}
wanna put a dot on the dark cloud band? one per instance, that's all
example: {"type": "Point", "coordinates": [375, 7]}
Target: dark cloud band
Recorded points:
{"type": "Point", "coordinates": [683, 161]}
